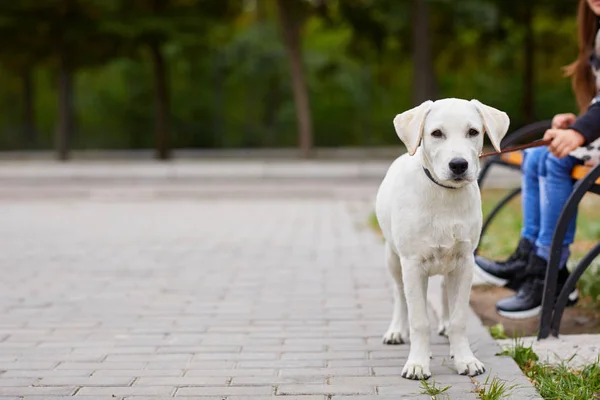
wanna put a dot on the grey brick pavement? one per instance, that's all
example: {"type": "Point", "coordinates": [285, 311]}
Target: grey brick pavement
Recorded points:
{"type": "Point", "coordinates": [125, 297]}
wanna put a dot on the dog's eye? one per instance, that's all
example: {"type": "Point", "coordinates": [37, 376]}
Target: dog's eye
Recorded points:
{"type": "Point", "coordinates": [473, 132]}
{"type": "Point", "coordinates": [437, 133]}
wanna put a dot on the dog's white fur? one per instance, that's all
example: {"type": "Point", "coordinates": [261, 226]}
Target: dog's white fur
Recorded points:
{"type": "Point", "coordinates": [432, 230]}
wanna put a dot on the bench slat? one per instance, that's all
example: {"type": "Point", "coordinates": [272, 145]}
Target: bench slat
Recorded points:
{"type": "Point", "coordinates": [516, 158]}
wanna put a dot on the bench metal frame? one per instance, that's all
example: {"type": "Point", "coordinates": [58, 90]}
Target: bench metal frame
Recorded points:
{"type": "Point", "coordinates": [552, 311]}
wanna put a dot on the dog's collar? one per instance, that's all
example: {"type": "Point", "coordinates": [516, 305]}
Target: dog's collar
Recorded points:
{"type": "Point", "coordinates": [436, 182]}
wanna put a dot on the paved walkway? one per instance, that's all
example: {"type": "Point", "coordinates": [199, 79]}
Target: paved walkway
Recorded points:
{"type": "Point", "coordinates": [211, 171]}
{"type": "Point", "coordinates": [150, 292]}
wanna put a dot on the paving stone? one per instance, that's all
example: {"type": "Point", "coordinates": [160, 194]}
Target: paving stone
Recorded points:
{"type": "Point", "coordinates": [307, 397]}
{"type": "Point", "coordinates": [338, 355]}
{"type": "Point", "coordinates": [135, 373]}
{"type": "Point", "coordinates": [7, 382]}
{"type": "Point", "coordinates": [127, 391]}
{"type": "Point", "coordinates": [324, 389]}
{"type": "Point", "coordinates": [37, 391]}
{"type": "Point", "coordinates": [87, 381]}
{"type": "Point", "coordinates": [102, 365]}
{"type": "Point", "coordinates": [367, 380]}
{"type": "Point", "coordinates": [277, 380]}
{"type": "Point", "coordinates": [184, 381]}
{"type": "Point", "coordinates": [46, 373]}
{"type": "Point", "coordinates": [230, 372]}
{"type": "Point", "coordinates": [224, 391]}
{"type": "Point", "coordinates": [282, 364]}
{"type": "Point", "coordinates": [76, 397]}
{"type": "Point", "coordinates": [328, 372]}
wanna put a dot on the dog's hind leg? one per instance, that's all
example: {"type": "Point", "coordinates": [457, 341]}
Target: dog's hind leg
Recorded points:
{"type": "Point", "coordinates": [398, 330]}
{"type": "Point", "coordinates": [443, 322]}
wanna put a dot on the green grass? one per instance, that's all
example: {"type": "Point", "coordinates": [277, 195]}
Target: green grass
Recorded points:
{"type": "Point", "coordinates": [431, 389]}
{"type": "Point", "coordinates": [373, 223]}
{"type": "Point", "coordinates": [504, 233]}
{"type": "Point", "coordinates": [494, 389]}
{"type": "Point", "coordinates": [497, 331]}
{"type": "Point", "coordinates": [523, 355]}
{"type": "Point", "coordinates": [557, 381]}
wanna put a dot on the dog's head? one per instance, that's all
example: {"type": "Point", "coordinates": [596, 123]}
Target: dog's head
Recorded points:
{"type": "Point", "coordinates": [450, 132]}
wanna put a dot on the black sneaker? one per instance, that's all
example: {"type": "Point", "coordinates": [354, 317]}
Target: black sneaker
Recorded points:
{"type": "Point", "coordinates": [563, 275]}
{"type": "Point", "coordinates": [506, 273]}
{"type": "Point", "coordinates": [527, 302]}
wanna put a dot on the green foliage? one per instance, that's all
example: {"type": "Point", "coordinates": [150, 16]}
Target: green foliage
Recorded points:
{"type": "Point", "coordinates": [497, 331]}
{"type": "Point", "coordinates": [494, 389]}
{"type": "Point", "coordinates": [523, 355]}
{"type": "Point", "coordinates": [433, 390]}
{"type": "Point", "coordinates": [589, 286]}
{"type": "Point", "coordinates": [557, 381]}
{"type": "Point", "coordinates": [228, 74]}
{"type": "Point", "coordinates": [564, 382]}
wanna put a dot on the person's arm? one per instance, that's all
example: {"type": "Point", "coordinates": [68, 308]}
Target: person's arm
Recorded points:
{"type": "Point", "coordinates": [588, 125]}
{"type": "Point", "coordinates": [577, 133]}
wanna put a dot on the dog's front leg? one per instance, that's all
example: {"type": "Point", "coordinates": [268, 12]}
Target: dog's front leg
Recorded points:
{"type": "Point", "coordinates": [459, 289]}
{"type": "Point", "coordinates": [417, 365]}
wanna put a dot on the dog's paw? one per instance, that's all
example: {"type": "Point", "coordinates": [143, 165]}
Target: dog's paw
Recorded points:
{"type": "Point", "coordinates": [416, 371]}
{"type": "Point", "coordinates": [394, 337]}
{"type": "Point", "coordinates": [470, 366]}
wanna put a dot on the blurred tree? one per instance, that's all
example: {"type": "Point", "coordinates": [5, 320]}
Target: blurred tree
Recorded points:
{"type": "Point", "coordinates": [425, 86]}
{"type": "Point", "coordinates": [57, 33]}
{"type": "Point", "coordinates": [522, 16]}
{"type": "Point", "coordinates": [20, 55]}
{"type": "Point", "coordinates": [291, 15]}
{"type": "Point", "coordinates": [377, 23]}
{"type": "Point", "coordinates": [225, 82]}
{"type": "Point", "coordinates": [152, 24]}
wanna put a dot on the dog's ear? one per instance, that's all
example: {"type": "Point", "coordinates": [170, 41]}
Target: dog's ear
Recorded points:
{"type": "Point", "coordinates": [409, 126]}
{"type": "Point", "coordinates": [495, 122]}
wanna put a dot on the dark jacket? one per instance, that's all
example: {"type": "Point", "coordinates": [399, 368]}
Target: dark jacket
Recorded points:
{"type": "Point", "coordinates": [589, 123]}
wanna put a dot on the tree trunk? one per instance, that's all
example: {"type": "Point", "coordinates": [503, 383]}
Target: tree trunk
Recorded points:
{"type": "Point", "coordinates": [161, 101]}
{"type": "Point", "coordinates": [528, 79]}
{"type": "Point", "coordinates": [66, 118]}
{"type": "Point", "coordinates": [424, 84]}
{"type": "Point", "coordinates": [218, 78]}
{"type": "Point", "coordinates": [28, 108]}
{"type": "Point", "coordinates": [291, 38]}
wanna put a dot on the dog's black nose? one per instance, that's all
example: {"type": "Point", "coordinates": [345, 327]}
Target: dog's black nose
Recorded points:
{"type": "Point", "coordinates": [458, 165]}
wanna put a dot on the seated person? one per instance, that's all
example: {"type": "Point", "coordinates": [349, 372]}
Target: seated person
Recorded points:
{"type": "Point", "coordinates": [547, 184]}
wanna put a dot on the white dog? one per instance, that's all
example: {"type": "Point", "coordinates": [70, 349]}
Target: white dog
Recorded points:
{"type": "Point", "coordinates": [429, 209]}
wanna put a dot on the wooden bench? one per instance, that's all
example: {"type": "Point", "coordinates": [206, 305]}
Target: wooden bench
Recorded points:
{"type": "Point", "coordinates": [516, 158]}
{"type": "Point", "coordinates": [588, 180]}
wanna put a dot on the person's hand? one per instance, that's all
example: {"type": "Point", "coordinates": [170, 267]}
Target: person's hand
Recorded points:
{"type": "Point", "coordinates": [564, 141]}
{"type": "Point", "coordinates": [562, 121]}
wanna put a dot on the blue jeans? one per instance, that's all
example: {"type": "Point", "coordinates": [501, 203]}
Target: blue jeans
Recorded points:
{"type": "Point", "coordinates": [546, 185]}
